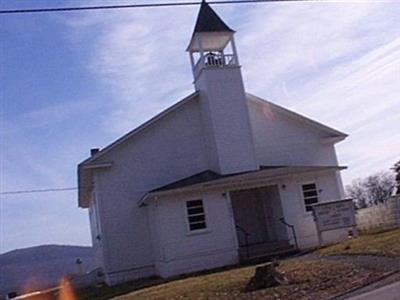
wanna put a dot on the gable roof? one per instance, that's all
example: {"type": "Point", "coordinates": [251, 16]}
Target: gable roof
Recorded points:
{"type": "Point", "coordinates": [145, 125]}
{"type": "Point", "coordinates": [86, 168]}
{"type": "Point", "coordinates": [209, 21]}
{"type": "Point", "coordinates": [195, 95]}
{"type": "Point", "coordinates": [335, 133]}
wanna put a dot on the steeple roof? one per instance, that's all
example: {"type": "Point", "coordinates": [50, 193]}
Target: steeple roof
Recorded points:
{"type": "Point", "coordinates": [209, 21]}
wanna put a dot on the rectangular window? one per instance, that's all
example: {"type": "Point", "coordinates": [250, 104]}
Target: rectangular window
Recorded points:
{"type": "Point", "coordinates": [196, 215]}
{"type": "Point", "coordinates": [310, 195]}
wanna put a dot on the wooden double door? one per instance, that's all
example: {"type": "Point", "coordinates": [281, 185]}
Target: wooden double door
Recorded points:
{"type": "Point", "coordinates": [250, 215]}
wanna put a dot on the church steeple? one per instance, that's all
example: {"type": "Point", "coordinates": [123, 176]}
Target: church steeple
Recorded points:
{"type": "Point", "coordinates": [223, 103]}
{"type": "Point", "coordinates": [212, 42]}
{"type": "Point", "coordinates": [209, 21]}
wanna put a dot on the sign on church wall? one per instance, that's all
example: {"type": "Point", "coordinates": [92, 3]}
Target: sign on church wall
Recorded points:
{"type": "Point", "coordinates": [334, 215]}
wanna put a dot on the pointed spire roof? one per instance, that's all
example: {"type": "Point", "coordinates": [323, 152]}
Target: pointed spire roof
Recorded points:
{"type": "Point", "coordinates": [209, 21]}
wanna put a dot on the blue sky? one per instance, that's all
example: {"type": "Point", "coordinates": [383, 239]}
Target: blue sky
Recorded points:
{"type": "Point", "coordinates": [73, 81]}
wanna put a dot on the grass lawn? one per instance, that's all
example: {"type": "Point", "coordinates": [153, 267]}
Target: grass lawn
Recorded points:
{"type": "Point", "coordinates": [316, 279]}
{"type": "Point", "coordinates": [309, 279]}
{"type": "Point", "coordinates": [105, 292]}
{"type": "Point", "coordinates": [383, 244]}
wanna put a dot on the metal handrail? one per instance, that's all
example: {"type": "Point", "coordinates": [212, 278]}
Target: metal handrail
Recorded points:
{"type": "Point", "coordinates": [282, 220]}
{"type": "Point", "coordinates": [246, 238]}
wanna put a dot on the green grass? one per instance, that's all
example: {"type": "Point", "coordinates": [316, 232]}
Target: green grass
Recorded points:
{"type": "Point", "coordinates": [382, 244]}
{"type": "Point", "coordinates": [316, 279]}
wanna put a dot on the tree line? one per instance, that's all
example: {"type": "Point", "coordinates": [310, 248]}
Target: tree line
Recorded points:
{"type": "Point", "coordinates": [376, 188]}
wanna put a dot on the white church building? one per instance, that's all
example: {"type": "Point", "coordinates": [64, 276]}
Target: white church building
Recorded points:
{"type": "Point", "coordinates": [214, 180]}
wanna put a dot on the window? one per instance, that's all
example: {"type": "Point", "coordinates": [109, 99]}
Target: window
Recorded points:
{"type": "Point", "coordinates": [310, 195]}
{"type": "Point", "coordinates": [196, 215]}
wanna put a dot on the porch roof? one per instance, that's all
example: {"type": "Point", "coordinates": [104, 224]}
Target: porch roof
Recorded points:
{"type": "Point", "coordinates": [211, 180]}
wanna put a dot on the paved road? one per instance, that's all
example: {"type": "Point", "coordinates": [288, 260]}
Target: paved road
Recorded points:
{"type": "Point", "coordinates": [388, 292]}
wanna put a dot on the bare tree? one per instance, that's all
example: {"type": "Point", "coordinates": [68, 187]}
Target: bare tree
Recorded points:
{"type": "Point", "coordinates": [396, 169]}
{"type": "Point", "coordinates": [357, 191]}
{"type": "Point", "coordinates": [380, 187]}
{"type": "Point", "coordinates": [372, 190]}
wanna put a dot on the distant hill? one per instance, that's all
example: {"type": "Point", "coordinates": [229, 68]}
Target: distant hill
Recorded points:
{"type": "Point", "coordinates": [40, 267]}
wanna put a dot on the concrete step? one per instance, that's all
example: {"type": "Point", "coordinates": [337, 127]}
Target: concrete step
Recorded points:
{"type": "Point", "coordinates": [269, 256]}
{"type": "Point", "coordinates": [265, 251]}
{"type": "Point", "coordinates": [256, 249]}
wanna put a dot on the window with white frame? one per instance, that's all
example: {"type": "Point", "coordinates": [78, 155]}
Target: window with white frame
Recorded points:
{"type": "Point", "coordinates": [196, 215]}
{"type": "Point", "coordinates": [310, 195]}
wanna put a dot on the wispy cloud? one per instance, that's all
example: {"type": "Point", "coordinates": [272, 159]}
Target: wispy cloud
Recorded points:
{"type": "Point", "coordinates": [336, 62]}
{"type": "Point", "coordinates": [140, 56]}
{"type": "Point", "coordinates": [49, 116]}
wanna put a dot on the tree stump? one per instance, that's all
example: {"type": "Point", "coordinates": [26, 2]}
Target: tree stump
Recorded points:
{"type": "Point", "coordinates": [266, 276]}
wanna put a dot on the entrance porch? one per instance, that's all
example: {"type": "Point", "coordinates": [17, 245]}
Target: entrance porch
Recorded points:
{"type": "Point", "coordinates": [260, 226]}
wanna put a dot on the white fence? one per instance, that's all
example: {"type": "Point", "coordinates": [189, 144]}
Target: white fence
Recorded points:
{"type": "Point", "coordinates": [379, 217]}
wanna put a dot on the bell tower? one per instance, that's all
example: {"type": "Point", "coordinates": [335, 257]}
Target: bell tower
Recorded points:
{"type": "Point", "coordinates": [212, 43]}
{"type": "Point", "coordinates": [218, 79]}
